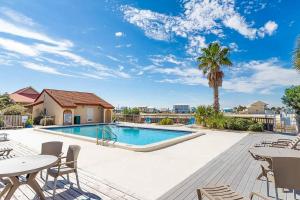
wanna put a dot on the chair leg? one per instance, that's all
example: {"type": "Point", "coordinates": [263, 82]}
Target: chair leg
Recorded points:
{"type": "Point", "coordinates": [77, 179]}
{"type": "Point", "coordinates": [276, 192]}
{"type": "Point", "coordinates": [295, 197]}
{"type": "Point", "coordinates": [199, 194]}
{"type": "Point", "coordinates": [41, 174]}
{"type": "Point", "coordinates": [68, 178]}
{"type": "Point", "coordinates": [46, 181]}
{"type": "Point", "coordinates": [268, 187]}
{"type": "Point", "coordinates": [54, 187]}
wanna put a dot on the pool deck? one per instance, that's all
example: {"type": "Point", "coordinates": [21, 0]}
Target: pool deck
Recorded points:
{"type": "Point", "coordinates": [175, 172]}
{"type": "Point", "coordinates": [234, 167]}
{"type": "Point", "coordinates": [147, 175]}
{"type": "Point", "coordinates": [92, 188]}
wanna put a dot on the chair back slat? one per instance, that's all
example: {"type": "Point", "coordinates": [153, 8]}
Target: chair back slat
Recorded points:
{"type": "Point", "coordinates": [53, 148]}
{"type": "Point", "coordinates": [286, 172]}
{"type": "Point", "coordinates": [72, 156]}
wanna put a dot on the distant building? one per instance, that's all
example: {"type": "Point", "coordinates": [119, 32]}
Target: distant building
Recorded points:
{"type": "Point", "coordinates": [152, 110]}
{"type": "Point", "coordinates": [164, 110]}
{"type": "Point", "coordinates": [24, 96]}
{"type": "Point", "coordinates": [258, 107]}
{"type": "Point", "coordinates": [143, 109]}
{"type": "Point", "coordinates": [181, 108]}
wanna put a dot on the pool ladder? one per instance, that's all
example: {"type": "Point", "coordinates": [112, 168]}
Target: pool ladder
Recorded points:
{"type": "Point", "coordinates": [107, 135]}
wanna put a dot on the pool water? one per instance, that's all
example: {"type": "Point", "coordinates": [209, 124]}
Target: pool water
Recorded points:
{"type": "Point", "coordinates": [128, 135]}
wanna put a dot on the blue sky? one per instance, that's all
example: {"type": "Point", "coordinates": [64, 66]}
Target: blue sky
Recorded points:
{"type": "Point", "coordinates": [142, 53]}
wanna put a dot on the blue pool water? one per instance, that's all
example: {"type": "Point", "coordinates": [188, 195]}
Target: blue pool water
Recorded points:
{"type": "Point", "coordinates": [128, 135]}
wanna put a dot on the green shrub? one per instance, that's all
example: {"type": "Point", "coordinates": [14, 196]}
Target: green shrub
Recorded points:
{"type": "Point", "coordinates": [166, 121]}
{"type": "Point", "coordinates": [217, 121]}
{"type": "Point", "coordinates": [238, 124]}
{"type": "Point", "coordinates": [203, 113]}
{"type": "Point", "coordinates": [37, 120]}
{"type": "Point", "coordinates": [14, 110]}
{"type": "Point", "coordinates": [257, 127]}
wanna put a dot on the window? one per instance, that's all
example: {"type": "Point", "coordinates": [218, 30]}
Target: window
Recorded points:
{"type": "Point", "coordinates": [90, 114]}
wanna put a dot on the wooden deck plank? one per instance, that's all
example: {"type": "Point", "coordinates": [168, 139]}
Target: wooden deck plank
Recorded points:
{"type": "Point", "coordinates": [234, 167]}
{"type": "Point", "coordinates": [92, 188]}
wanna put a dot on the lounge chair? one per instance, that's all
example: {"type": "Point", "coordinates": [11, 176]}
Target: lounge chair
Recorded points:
{"type": "Point", "coordinates": [265, 166]}
{"type": "Point", "coordinates": [65, 168]}
{"type": "Point", "coordinates": [224, 192]}
{"type": "Point", "coordinates": [285, 174]}
{"type": "Point", "coordinates": [281, 143]}
{"type": "Point", "coordinates": [3, 136]}
{"type": "Point", "coordinates": [53, 148]}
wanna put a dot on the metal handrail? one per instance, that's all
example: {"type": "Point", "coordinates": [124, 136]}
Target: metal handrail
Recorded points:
{"type": "Point", "coordinates": [105, 129]}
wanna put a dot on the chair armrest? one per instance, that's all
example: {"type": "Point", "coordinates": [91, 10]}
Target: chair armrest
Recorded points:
{"type": "Point", "coordinates": [284, 140]}
{"type": "Point", "coordinates": [70, 162]}
{"type": "Point", "coordinates": [258, 195]}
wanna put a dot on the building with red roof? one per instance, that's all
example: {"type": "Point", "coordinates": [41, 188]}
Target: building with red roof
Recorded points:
{"type": "Point", "coordinates": [72, 107]}
{"type": "Point", "coordinates": [24, 96]}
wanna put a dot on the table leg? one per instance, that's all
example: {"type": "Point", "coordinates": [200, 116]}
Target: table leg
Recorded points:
{"type": "Point", "coordinates": [35, 186]}
{"type": "Point", "coordinates": [13, 188]}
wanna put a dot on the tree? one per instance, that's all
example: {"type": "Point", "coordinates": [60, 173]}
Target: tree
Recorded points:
{"type": "Point", "coordinates": [239, 109]}
{"type": "Point", "coordinates": [296, 57]}
{"type": "Point", "coordinates": [203, 113]}
{"type": "Point", "coordinates": [5, 101]}
{"type": "Point", "coordinates": [210, 62]}
{"type": "Point", "coordinates": [291, 99]}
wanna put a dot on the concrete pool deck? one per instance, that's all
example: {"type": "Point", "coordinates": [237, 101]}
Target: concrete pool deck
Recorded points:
{"type": "Point", "coordinates": [148, 175]}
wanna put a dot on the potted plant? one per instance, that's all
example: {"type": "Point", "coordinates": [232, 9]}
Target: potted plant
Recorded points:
{"type": "Point", "coordinates": [29, 123]}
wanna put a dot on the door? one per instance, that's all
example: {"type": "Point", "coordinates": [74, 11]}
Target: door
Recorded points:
{"type": "Point", "coordinates": [67, 117]}
{"type": "Point", "coordinates": [90, 114]}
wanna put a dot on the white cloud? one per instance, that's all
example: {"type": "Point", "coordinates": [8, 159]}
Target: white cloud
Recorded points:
{"type": "Point", "coordinates": [264, 76]}
{"type": "Point", "coordinates": [119, 34]}
{"type": "Point", "coordinates": [30, 43]}
{"type": "Point", "coordinates": [16, 17]}
{"type": "Point", "coordinates": [161, 60]}
{"type": "Point", "coordinates": [112, 58]}
{"type": "Point", "coordinates": [239, 24]}
{"type": "Point", "coordinates": [269, 28]}
{"type": "Point", "coordinates": [9, 28]}
{"type": "Point", "coordinates": [257, 76]}
{"type": "Point", "coordinates": [200, 18]}
{"type": "Point", "coordinates": [17, 47]}
{"type": "Point", "coordinates": [42, 68]}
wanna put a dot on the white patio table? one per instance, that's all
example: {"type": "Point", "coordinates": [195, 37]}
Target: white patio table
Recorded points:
{"type": "Point", "coordinates": [29, 166]}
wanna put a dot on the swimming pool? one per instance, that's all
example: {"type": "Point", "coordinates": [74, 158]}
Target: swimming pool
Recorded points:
{"type": "Point", "coordinates": [127, 135]}
{"type": "Point", "coordinates": [142, 139]}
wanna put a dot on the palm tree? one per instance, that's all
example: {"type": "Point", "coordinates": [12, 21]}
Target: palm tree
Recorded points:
{"type": "Point", "coordinates": [296, 56]}
{"type": "Point", "coordinates": [210, 62]}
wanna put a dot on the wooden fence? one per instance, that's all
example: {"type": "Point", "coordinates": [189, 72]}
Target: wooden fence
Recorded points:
{"type": "Point", "coordinates": [13, 120]}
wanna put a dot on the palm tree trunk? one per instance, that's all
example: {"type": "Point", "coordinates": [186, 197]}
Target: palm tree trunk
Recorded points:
{"type": "Point", "coordinates": [216, 98]}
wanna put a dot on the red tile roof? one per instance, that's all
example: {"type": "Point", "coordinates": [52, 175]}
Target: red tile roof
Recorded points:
{"type": "Point", "coordinates": [24, 95]}
{"type": "Point", "coordinates": [73, 98]}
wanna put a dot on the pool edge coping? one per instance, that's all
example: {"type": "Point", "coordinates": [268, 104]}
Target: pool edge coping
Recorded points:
{"type": "Point", "coordinates": [137, 148]}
